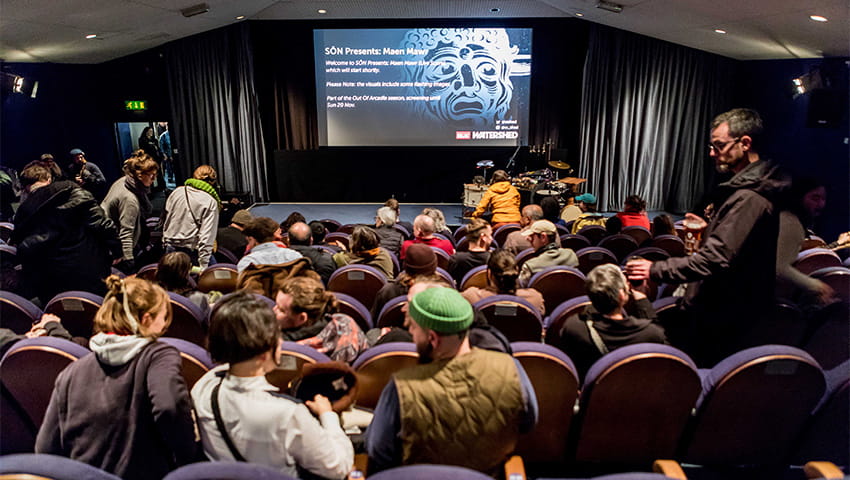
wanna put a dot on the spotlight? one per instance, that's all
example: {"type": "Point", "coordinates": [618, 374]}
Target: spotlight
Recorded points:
{"type": "Point", "coordinates": [91, 36]}
{"type": "Point", "coordinates": [818, 18]}
{"type": "Point", "coordinates": [719, 30]}
{"type": "Point", "coordinates": [611, 7]}
{"type": "Point", "coordinates": [322, 11]}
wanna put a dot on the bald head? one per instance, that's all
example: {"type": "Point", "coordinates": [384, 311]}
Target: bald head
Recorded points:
{"type": "Point", "coordinates": [531, 213]}
{"type": "Point", "coordinates": [423, 226]}
{"type": "Point", "coordinates": [300, 234]}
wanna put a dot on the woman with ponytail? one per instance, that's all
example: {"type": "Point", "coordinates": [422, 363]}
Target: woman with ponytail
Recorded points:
{"type": "Point", "coordinates": [125, 409]}
{"type": "Point", "coordinates": [502, 279]}
{"type": "Point", "coordinates": [309, 314]}
{"type": "Point", "coordinates": [191, 216]}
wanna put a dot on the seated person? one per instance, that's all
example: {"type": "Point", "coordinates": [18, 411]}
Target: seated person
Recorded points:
{"type": "Point", "coordinates": [663, 225]}
{"type": "Point", "coordinates": [232, 237]}
{"type": "Point", "coordinates": [300, 240]}
{"type": "Point", "coordinates": [480, 237]}
{"type": "Point", "coordinates": [439, 222]}
{"type": "Point", "coordinates": [172, 274]}
{"type": "Point", "coordinates": [571, 211]}
{"type": "Point", "coordinates": [264, 245]}
{"type": "Point", "coordinates": [502, 275]}
{"type": "Point", "coordinates": [424, 413]}
{"type": "Point", "coordinates": [234, 401]}
{"type": "Point", "coordinates": [547, 253]}
{"type": "Point", "coordinates": [634, 212]}
{"type": "Point", "coordinates": [423, 231]}
{"type": "Point", "coordinates": [125, 409]}
{"type": "Point", "coordinates": [290, 220]}
{"type": "Point", "coordinates": [589, 215]}
{"type": "Point", "coordinates": [390, 237]}
{"type": "Point", "coordinates": [516, 241]}
{"type": "Point", "coordinates": [605, 326]}
{"type": "Point", "coordinates": [48, 326]}
{"type": "Point", "coordinates": [366, 250]}
{"type": "Point", "coordinates": [309, 315]}
{"type": "Point", "coordinates": [502, 199]}
{"type": "Point", "coordinates": [420, 261]}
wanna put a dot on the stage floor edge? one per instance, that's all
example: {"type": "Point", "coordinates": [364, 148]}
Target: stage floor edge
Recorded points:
{"type": "Point", "coordinates": [352, 212]}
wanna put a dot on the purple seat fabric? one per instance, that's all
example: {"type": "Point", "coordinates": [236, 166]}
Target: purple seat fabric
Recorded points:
{"type": "Point", "coordinates": [429, 472]}
{"type": "Point", "coordinates": [339, 237]}
{"type": "Point", "coordinates": [347, 229]}
{"type": "Point", "coordinates": [558, 284]}
{"type": "Point", "coordinates": [187, 320]}
{"type": "Point", "coordinates": [404, 232]}
{"type": "Point", "coordinates": [524, 255]}
{"type": "Point", "coordinates": [574, 241]}
{"type": "Point", "coordinates": [356, 310]}
{"type": "Point", "coordinates": [635, 404]}
{"type": "Point", "coordinates": [17, 313]}
{"type": "Point", "coordinates": [330, 224]}
{"type": "Point", "coordinates": [446, 275]}
{"type": "Point", "coordinates": [293, 357]}
{"type": "Point", "coordinates": [640, 234]}
{"type": "Point", "coordinates": [650, 253]}
{"type": "Point", "coordinates": [593, 233]}
{"type": "Point", "coordinates": [196, 361]}
{"type": "Point", "coordinates": [515, 317]}
{"type": "Point", "coordinates": [815, 259]}
{"type": "Point", "coordinates": [224, 255]}
{"type": "Point", "coordinates": [555, 382]}
{"type": "Point", "coordinates": [226, 471]}
{"type": "Point", "coordinates": [77, 311]}
{"type": "Point", "coordinates": [620, 245]}
{"type": "Point", "coordinates": [754, 405]}
{"type": "Point", "coordinates": [821, 439]}
{"type": "Point", "coordinates": [838, 278]}
{"type": "Point", "coordinates": [52, 467]}
{"type": "Point", "coordinates": [621, 476]}
{"type": "Point", "coordinates": [442, 257]}
{"type": "Point", "coordinates": [376, 365]}
{"type": "Point", "coordinates": [329, 250]}
{"type": "Point", "coordinates": [391, 313]}
{"type": "Point", "coordinates": [148, 272]}
{"type": "Point", "coordinates": [555, 321]}
{"type": "Point", "coordinates": [360, 281]}
{"type": "Point", "coordinates": [591, 257]}
{"type": "Point", "coordinates": [671, 244]}
{"type": "Point", "coordinates": [476, 277]}
{"type": "Point", "coordinates": [501, 233]}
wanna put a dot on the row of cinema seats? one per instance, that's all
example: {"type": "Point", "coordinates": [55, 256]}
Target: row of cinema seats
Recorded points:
{"type": "Point", "coordinates": [769, 405]}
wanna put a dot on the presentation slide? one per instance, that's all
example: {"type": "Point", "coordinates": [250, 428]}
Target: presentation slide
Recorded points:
{"type": "Point", "coordinates": [423, 86]}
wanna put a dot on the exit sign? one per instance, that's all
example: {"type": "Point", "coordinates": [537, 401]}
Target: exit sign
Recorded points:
{"type": "Point", "coordinates": [135, 104]}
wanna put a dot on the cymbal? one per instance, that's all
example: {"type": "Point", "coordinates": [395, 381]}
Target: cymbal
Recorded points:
{"type": "Point", "coordinates": [559, 165]}
{"type": "Point", "coordinates": [485, 164]}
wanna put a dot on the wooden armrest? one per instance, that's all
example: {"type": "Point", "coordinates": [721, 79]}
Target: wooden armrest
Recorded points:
{"type": "Point", "coordinates": [669, 468]}
{"type": "Point", "coordinates": [822, 470]}
{"type": "Point", "coordinates": [515, 468]}
{"type": "Point", "coordinates": [361, 463]}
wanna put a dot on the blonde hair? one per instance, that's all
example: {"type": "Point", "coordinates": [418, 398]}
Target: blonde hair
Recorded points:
{"type": "Point", "coordinates": [205, 173]}
{"type": "Point", "coordinates": [309, 296]}
{"type": "Point", "coordinates": [126, 302]}
{"type": "Point", "coordinates": [139, 163]}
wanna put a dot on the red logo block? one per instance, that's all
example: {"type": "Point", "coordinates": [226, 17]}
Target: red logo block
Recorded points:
{"type": "Point", "coordinates": [463, 135]}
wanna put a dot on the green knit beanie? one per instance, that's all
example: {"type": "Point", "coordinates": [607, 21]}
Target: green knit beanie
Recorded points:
{"type": "Point", "coordinates": [442, 310]}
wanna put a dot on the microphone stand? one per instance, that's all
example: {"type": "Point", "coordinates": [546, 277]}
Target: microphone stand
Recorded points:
{"type": "Point", "coordinates": [510, 165]}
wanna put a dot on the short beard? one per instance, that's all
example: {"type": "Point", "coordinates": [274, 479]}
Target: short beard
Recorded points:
{"type": "Point", "coordinates": [425, 353]}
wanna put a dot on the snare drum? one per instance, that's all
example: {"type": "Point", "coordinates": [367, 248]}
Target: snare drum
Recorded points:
{"type": "Point", "coordinates": [472, 194]}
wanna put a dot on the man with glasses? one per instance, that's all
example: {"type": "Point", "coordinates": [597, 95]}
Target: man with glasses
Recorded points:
{"type": "Point", "coordinates": [731, 276]}
{"type": "Point", "coordinates": [543, 237]}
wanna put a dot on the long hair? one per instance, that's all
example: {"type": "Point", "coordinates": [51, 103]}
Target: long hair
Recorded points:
{"type": "Point", "coordinates": [309, 296]}
{"type": "Point", "coordinates": [126, 302]}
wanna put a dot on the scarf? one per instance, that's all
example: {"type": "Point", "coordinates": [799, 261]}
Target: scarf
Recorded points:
{"type": "Point", "coordinates": [141, 191]}
{"type": "Point", "coordinates": [202, 185]}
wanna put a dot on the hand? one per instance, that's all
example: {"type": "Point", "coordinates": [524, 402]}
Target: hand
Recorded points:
{"type": "Point", "coordinates": [637, 294]}
{"type": "Point", "coordinates": [825, 294]}
{"type": "Point", "coordinates": [38, 329]}
{"type": "Point", "coordinates": [638, 269]}
{"type": "Point", "coordinates": [844, 238]}
{"type": "Point", "coordinates": [319, 405]}
{"type": "Point", "coordinates": [691, 218]}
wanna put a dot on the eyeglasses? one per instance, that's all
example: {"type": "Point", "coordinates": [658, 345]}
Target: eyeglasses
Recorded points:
{"type": "Point", "coordinates": [718, 147]}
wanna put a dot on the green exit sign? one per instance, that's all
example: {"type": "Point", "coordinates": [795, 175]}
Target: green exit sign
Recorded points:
{"type": "Point", "coordinates": [135, 104]}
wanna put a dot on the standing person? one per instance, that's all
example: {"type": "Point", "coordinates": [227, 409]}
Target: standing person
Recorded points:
{"type": "Point", "coordinates": [480, 237]}
{"type": "Point", "coordinates": [191, 216]}
{"type": "Point", "coordinates": [64, 239]}
{"type": "Point", "coordinates": [634, 212]}
{"type": "Point", "coordinates": [167, 153]}
{"type": "Point", "coordinates": [732, 274]}
{"type": "Point", "coordinates": [86, 174]}
{"type": "Point", "coordinates": [241, 417]}
{"type": "Point", "coordinates": [127, 205]}
{"type": "Point", "coordinates": [502, 199]}
{"type": "Point", "coordinates": [125, 409]}
{"type": "Point", "coordinates": [150, 145]}
{"type": "Point", "coordinates": [232, 237]}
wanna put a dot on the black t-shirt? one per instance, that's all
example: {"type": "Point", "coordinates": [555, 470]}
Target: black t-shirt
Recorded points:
{"type": "Point", "coordinates": [462, 262]}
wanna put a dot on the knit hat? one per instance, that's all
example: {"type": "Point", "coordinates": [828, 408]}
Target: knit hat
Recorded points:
{"type": "Point", "coordinates": [541, 226]}
{"type": "Point", "coordinates": [76, 151]}
{"type": "Point", "coordinates": [441, 309]}
{"type": "Point", "coordinates": [420, 259]}
{"type": "Point", "coordinates": [586, 198]}
{"type": "Point", "coordinates": [242, 217]}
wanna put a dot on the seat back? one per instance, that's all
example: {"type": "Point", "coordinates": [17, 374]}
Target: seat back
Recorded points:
{"type": "Point", "coordinates": [360, 281]}
{"type": "Point", "coordinates": [821, 439]}
{"type": "Point", "coordinates": [220, 277]}
{"type": "Point", "coordinates": [815, 259]}
{"type": "Point", "coordinates": [460, 234]}
{"type": "Point", "coordinates": [574, 241]}
{"type": "Point", "coordinates": [593, 233]}
{"type": "Point", "coordinates": [828, 342]}
{"type": "Point", "coordinates": [293, 356]}
{"type": "Point", "coordinates": [785, 327]}
{"type": "Point", "coordinates": [754, 405]}
{"type": "Point", "coordinates": [224, 256]}
{"type": "Point", "coordinates": [226, 471]}
{"type": "Point", "coordinates": [340, 238]}
{"type": "Point", "coordinates": [671, 244]}
{"type": "Point", "coordinates": [501, 233]}
{"type": "Point", "coordinates": [195, 361]}
{"type": "Point", "coordinates": [187, 320]}
{"type": "Point", "coordinates": [77, 311]}
{"type": "Point", "coordinates": [555, 321]}
{"type": "Point", "coordinates": [620, 245]}
{"type": "Point", "coordinates": [354, 309]}
{"type": "Point", "coordinates": [347, 229]}
{"type": "Point", "coordinates": [555, 382]}
{"type": "Point", "coordinates": [591, 257]}
{"type": "Point", "coordinates": [640, 234]}
{"type": "Point", "coordinates": [442, 257]}
{"type": "Point", "coordinates": [6, 229]}
{"type": "Point", "coordinates": [476, 277]}
{"type": "Point", "coordinates": [405, 233]}
{"type": "Point", "coordinates": [375, 367]}
{"type": "Point", "coordinates": [524, 255]}
{"type": "Point", "coordinates": [446, 276]}
{"type": "Point", "coordinates": [330, 224]}
{"type": "Point", "coordinates": [557, 285]}
{"type": "Point", "coordinates": [429, 472]}
{"type": "Point", "coordinates": [517, 319]}
{"type": "Point", "coordinates": [391, 314]}
{"type": "Point", "coordinates": [635, 404]}
{"type": "Point", "coordinates": [651, 253]}
{"type": "Point", "coordinates": [17, 313]}
{"type": "Point", "coordinates": [838, 278]}
{"type": "Point", "coordinates": [148, 272]}
{"type": "Point", "coordinates": [42, 466]}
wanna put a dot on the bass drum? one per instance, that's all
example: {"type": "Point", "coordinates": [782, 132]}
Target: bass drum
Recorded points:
{"type": "Point", "coordinates": [472, 194]}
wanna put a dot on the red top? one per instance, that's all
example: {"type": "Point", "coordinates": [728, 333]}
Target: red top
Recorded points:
{"type": "Point", "coordinates": [630, 218]}
{"type": "Point", "coordinates": [444, 245]}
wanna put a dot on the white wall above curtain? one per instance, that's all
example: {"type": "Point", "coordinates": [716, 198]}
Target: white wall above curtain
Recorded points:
{"type": "Point", "coordinates": [646, 109]}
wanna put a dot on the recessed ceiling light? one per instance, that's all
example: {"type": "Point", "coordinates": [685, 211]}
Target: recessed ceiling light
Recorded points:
{"type": "Point", "coordinates": [240, 17]}
{"type": "Point", "coordinates": [322, 11]}
{"type": "Point", "coordinates": [579, 14]}
{"type": "Point", "coordinates": [818, 18]}
{"type": "Point", "coordinates": [91, 35]}
{"type": "Point", "coordinates": [719, 30]}
{"type": "Point", "coordinates": [495, 9]}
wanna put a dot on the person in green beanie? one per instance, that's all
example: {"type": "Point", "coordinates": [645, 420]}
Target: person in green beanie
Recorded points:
{"type": "Point", "coordinates": [461, 406]}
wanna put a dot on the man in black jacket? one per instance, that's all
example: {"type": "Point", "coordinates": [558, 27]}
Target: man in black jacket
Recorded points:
{"type": "Point", "coordinates": [301, 240]}
{"type": "Point", "coordinates": [732, 275]}
{"type": "Point", "coordinates": [64, 239]}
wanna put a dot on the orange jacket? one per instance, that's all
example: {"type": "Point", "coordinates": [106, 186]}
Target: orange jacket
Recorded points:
{"type": "Point", "coordinates": [503, 200]}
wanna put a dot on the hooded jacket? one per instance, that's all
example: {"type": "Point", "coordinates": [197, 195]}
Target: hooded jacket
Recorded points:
{"type": "Point", "coordinates": [733, 272]}
{"type": "Point", "coordinates": [503, 200]}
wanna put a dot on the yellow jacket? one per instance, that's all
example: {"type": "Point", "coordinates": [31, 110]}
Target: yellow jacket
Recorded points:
{"type": "Point", "coordinates": [503, 200]}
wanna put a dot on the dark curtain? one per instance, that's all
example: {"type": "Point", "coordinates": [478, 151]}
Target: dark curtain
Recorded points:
{"type": "Point", "coordinates": [645, 115]}
{"type": "Point", "coordinates": [214, 108]}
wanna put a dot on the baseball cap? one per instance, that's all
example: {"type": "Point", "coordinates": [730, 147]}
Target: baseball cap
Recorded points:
{"type": "Point", "coordinates": [541, 226]}
{"type": "Point", "coordinates": [586, 198]}
{"type": "Point", "coordinates": [442, 310]}
{"type": "Point", "coordinates": [77, 151]}
{"type": "Point", "coordinates": [242, 217]}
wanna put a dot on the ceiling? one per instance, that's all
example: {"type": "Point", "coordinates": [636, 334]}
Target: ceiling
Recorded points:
{"type": "Point", "coordinates": [55, 30]}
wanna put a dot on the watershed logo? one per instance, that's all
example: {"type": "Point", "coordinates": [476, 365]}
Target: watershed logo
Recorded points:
{"type": "Point", "coordinates": [485, 134]}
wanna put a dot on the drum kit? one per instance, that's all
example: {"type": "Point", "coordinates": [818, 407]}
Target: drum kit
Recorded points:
{"type": "Point", "coordinates": [541, 183]}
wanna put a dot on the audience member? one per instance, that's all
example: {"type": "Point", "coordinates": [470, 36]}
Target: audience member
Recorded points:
{"type": "Point", "coordinates": [366, 250]}
{"type": "Point", "coordinates": [125, 409]}
{"type": "Point", "coordinates": [605, 326]}
{"type": "Point", "coordinates": [150, 145]}
{"type": "Point", "coordinates": [86, 174]}
{"type": "Point", "coordinates": [423, 232]}
{"type": "Point", "coordinates": [318, 231]}
{"type": "Point", "coordinates": [551, 210]}
{"type": "Point", "coordinates": [127, 205]}
{"type": "Point", "coordinates": [390, 238]}
{"type": "Point", "coordinates": [480, 237]}
{"type": "Point", "coordinates": [423, 413]}
{"type": "Point", "coordinates": [613, 225]}
{"type": "Point", "coordinates": [419, 261]}
{"type": "Point", "coordinates": [292, 219]}
{"type": "Point", "coordinates": [663, 225]}
{"type": "Point", "coordinates": [309, 315]}
{"type": "Point", "coordinates": [47, 161]}
{"type": "Point", "coordinates": [502, 199]}
{"type": "Point", "coordinates": [64, 239]}
{"type": "Point", "coordinates": [502, 276]}
{"type": "Point", "coordinates": [49, 325]}
{"type": "Point", "coordinates": [634, 212]}
{"type": "Point", "coordinates": [571, 211]}
{"type": "Point", "coordinates": [543, 237]}
{"type": "Point", "coordinates": [172, 274]}
{"type": "Point", "coordinates": [589, 215]}
{"type": "Point", "coordinates": [301, 240]}
{"type": "Point", "coordinates": [732, 274]}
{"type": "Point", "coordinates": [439, 221]}
{"type": "Point", "coordinates": [240, 415]}
{"type": "Point", "coordinates": [393, 203]}
{"type": "Point", "coordinates": [10, 192]}
{"type": "Point", "coordinates": [264, 245]}
{"type": "Point", "coordinates": [516, 241]}
{"type": "Point", "coordinates": [191, 216]}
{"type": "Point", "coordinates": [232, 237]}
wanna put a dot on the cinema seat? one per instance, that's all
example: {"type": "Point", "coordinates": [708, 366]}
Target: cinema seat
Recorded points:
{"type": "Point", "coordinates": [574, 242]}
{"type": "Point", "coordinates": [42, 466]}
{"type": "Point", "coordinates": [330, 224]}
{"type": "Point", "coordinates": [376, 365]}
{"type": "Point", "coordinates": [558, 284]}
{"type": "Point", "coordinates": [293, 357]}
{"type": "Point", "coordinates": [17, 313]}
{"type": "Point", "coordinates": [593, 233]}
{"type": "Point", "coordinates": [501, 233]}
{"type": "Point", "coordinates": [221, 277]}
{"type": "Point", "coordinates": [429, 472]}
{"type": "Point", "coordinates": [838, 278]}
{"type": "Point", "coordinates": [515, 317]}
{"type": "Point", "coordinates": [354, 309]}
{"type": "Point", "coordinates": [391, 314]}
{"type": "Point", "coordinates": [620, 245]}
{"type": "Point", "coordinates": [445, 275]}
{"type": "Point", "coordinates": [476, 277]}
{"type": "Point", "coordinates": [671, 244]}
{"type": "Point", "coordinates": [650, 253]}
{"type": "Point", "coordinates": [815, 259]}
{"type": "Point", "coordinates": [555, 321]}
{"type": "Point", "coordinates": [442, 257]}
{"type": "Point", "coordinates": [148, 272]}
{"type": "Point", "coordinates": [188, 322]}
{"type": "Point", "coordinates": [196, 361]}
{"type": "Point", "coordinates": [640, 234]}
{"type": "Point", "coordinates": [226, 471]}
{"type": "Point", "coordinates": [591, 257]}
{"type": "Point", "coordinates": [825, 435]}
{"type": "Point", "coordinates": [360, 281]}
{"type": "Point", "coordinates": [77, 311]}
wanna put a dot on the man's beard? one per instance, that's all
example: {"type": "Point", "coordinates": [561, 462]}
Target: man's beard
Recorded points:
{"type": "Point", "coordinates": [425, 353]}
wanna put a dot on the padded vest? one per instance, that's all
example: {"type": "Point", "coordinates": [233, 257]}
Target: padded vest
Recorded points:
{"type": "Point", "coordinates": [462, 411]}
